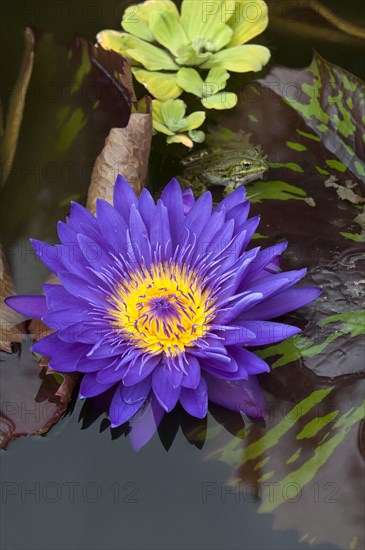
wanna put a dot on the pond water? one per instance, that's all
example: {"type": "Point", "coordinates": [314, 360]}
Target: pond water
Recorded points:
{"type": "Point", "coordinates": [220, 486]}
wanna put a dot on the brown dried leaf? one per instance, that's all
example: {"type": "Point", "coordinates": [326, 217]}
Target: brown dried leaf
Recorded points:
{"type": "Point", "coordinates": [12, 327]}
{"type": "Point", "coordinates": [126, 152]}
{"type": "Point", "coordinates": [16, 107]}
{"type": "Point", "coordinates": [31, 401]}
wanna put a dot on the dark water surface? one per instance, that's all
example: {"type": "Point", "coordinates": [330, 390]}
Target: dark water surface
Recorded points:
{"type": "Point", "coordinates": [77, 489]}
{"type": "Point", "coordinates": [148, 500]}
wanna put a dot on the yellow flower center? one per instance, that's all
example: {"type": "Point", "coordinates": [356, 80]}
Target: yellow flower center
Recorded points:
{"type": "Point", "coordinates": [162, 309]}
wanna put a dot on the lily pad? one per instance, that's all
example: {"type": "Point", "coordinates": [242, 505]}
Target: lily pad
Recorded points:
{"type": "Point", "coordinates": [332, 103]}
{"type": "Point", "coordinates": [307, 461]}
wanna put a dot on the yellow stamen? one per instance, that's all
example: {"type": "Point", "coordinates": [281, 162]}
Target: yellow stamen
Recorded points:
{"type": "Point", "coordinates": [162, 309]}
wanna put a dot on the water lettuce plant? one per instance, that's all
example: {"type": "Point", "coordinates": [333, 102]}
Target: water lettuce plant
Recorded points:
{"type": "Point", "coordinates": [191, 51]}
{"type": "Point", "coordinates": [169, 118]}
{"type": "Point", "coordinates": [161, 301]}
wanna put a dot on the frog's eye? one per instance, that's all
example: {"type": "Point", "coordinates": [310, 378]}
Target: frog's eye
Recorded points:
{"type": "Point", "coordinates": [247, 164]}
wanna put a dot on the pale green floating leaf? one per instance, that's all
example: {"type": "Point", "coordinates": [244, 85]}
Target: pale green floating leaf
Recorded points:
{"type": "Point", "coordinates": [290, 165]}
{"type": "Point", "coordinates": [240, 59]}
{"type": "Point", "coordinates": [151, 57]}
{"type": "Point", "coordinates": [193, 55]}
{"type": "Point", "coordinates": [167, 30]}
{"type": "Point", "coordinates": [274, 190]}
{"type": "Point", "coordinates": [162, 128]}
{"type": "Point", "coordinates": [180, 138]}
{"type": "Point", "coordinates": [162, 86]}
{"type": "Point", "coordinates": [190, 81]}
{"type": "Point", "coordinates": [357, 237]}
{"type": "Point", "coordinates": [201, 18]}
{"type": "Point", "coordinates": [172, 111]}
{"type": "Point", "coordinates": [197, 136]}
{"type": "Point", "coordinates": [296, 146]}
{"type": "Point", "coordinates": [249, 20]}
{"type": "Point", "coordinates": [111, 40]}
{"type": "Point", "coordinates": [135, 22]}
{"type": "Point", "coordinates": [194, 120]}
{"type": "Point", "coordinates": [219, 76]}
{"type": "Point", "coordinates": [223, 100]}
{"type": "Point", "coordinates": [137, 18]}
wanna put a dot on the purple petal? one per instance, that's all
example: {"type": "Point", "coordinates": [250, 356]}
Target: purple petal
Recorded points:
{"type": "Point", "coordinates": [90, 387]}
{"type": "Point", "coordinates": [63, 318]}
{"type": "Point", "coordinates": [160, 230]}
{"type": "Point", "coordinates": [273, 284]}
{"type": "Point", "coordinates": [206, 242]}
{"type": "Point", "coordinates": [79, 288]}
{"type": "Point", "coordinates": [232, 311]}
{"type": "Point", "coordinates": [92, 365]}
{"type": "Point", "coordinates": [112, 225]}
{"type": "Point", "coordinates": [124, 197]}
{"type": "Point", "coordinates": [94, 253]}
{"type": "Point", "coordinates": [216, 360]}
{"type": "Point", "coordinates": [195, 402]}
{"type": "Point", "coordinates": [173, 373]}
{"type": "Point", "coordinates": [172, 198]}
{"type": "Point", "coordinates": [145, 423]}
{"type": "Point", "coordinates": [30, 306]}
{"type": "Point", "coordinates": [239, 214]}
{"type": "Point", "coordinates": [50, 255]}
{"type": "Point", "coordinates": [264, 258]}
{"type": "Point", "coordinates": [251, 362]}
{"type": "Point", "coordinates": [138, 392]}
{"type": "Point", "coordinates": [239, 374]}
{"type": "Point", "coordinates": [165, 392]}
{"type": "Point", "coordinates": [250, 227]}
{"type": "Point", "coordinates": [139, 236]}
{"type": "Point", "coordinates": [49, 345]}
{"type": "Point", "coordinates": [66, 360]}
{"type": "Point", "coordinates": [233, 199]}
{"type": "Point", "coordinates": [120, 411]}
{"type": "Point", "coordinates": [79, 215]}
{"type": "Point", "coordinates": [66, 233]}
{"type": "Point", "coordinates": [57, 297]}
{"type": "Point", "coordinates": [198, 216]}
{"type": "Point", "coordinates": [193, 369]}
{"type": "Point", "coordinates": [105, 349]}
{"type": "Point", "coordinates": [83, 332]}
{"type": "Point", "coordinates": [237, 395]}
{"type": "Point", "coordinates": [140, 369]}
{"type": "Point", "coordinates": [282, 303]}
{"type": "Point", "coordinates": [146, 207]}
{"type": "Point", "coordinates": [234, 334]}
{"type": "Point", "coordinates": [266, 332]}
{"type": "Point", "coordinates": [188, 200]}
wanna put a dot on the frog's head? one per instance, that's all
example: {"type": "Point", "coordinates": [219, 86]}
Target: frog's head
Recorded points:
{"type": "Point", "coordinates": [247, 165]}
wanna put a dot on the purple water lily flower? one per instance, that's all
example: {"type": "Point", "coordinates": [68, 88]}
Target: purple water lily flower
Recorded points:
{"type": "Point", "coordinates": [161, 301]}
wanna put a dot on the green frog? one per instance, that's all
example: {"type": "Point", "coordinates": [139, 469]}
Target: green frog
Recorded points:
{"type": "Point", "coordinates": [230, 168]}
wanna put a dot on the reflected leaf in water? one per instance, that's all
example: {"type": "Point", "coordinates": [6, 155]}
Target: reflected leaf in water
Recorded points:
{"type": "Point", "coordinates": [77, 93]}
{"type": "Point", "coordinates": [331, 101]}
{"type": "Point", "coordinates": [307, 463]}
{"type": "Point", "coordinates": [32, 400]}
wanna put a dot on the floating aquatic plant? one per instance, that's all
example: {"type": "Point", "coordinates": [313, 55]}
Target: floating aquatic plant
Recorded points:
{"type": "Point", "coordinates": [192, 51]}
{"type": "Point", "coordinates": [169, 118]}
{"type": "Point", "coordinates": [161, 301]}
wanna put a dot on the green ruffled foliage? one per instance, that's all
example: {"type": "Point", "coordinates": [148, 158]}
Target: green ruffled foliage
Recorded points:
{"type": "Point", "coordinates": [191, 51]}
{"type": "Point", "coordinates": [169, 119]}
